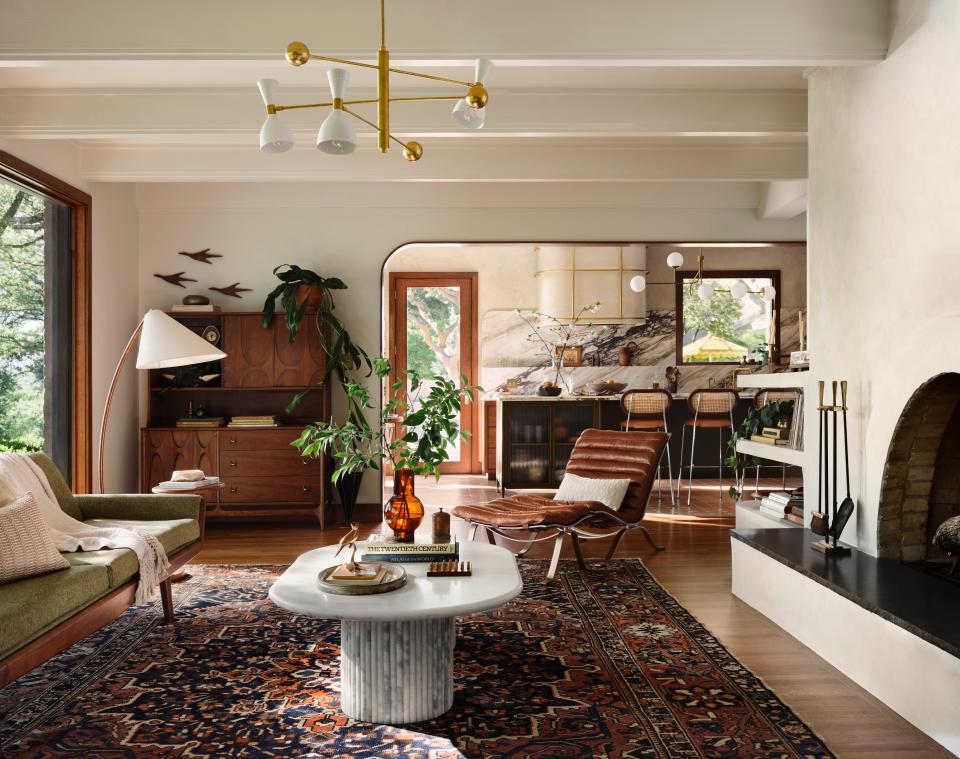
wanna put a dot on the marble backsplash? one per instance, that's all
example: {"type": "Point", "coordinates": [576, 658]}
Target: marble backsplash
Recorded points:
{"type": "Point", "coordinates": [507, 353]}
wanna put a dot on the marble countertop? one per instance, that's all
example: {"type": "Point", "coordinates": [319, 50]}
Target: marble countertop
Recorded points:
{"type": "Point", "coordinates": [681, 396]}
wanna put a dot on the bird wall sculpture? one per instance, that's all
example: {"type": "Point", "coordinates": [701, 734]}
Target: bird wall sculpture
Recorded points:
{"type": "Point", "coordinates": [203, 256]}
{"type": "Point", "coordinates": [175, 279]}
{"type": "Point", "coordinates": [232, 290]}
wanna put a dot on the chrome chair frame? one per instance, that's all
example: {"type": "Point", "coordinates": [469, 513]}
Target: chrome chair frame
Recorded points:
{"type": "Point", "coordinates": [664, 428]}
{"type": "Point", "coordinates": [693, 444]}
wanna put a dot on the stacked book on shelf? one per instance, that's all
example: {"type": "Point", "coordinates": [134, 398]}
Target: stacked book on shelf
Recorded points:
{"type": "Point", "coordinates": [772, 436]}
{"type": "Point", "coordinates": [208, 308]}
{"type": "Point", "coordinates": [419, 553]}
{"type": "Point", "coordinates": [200, 422]}
{"type": "Point", "coordinates": [254, 422]}
{"type": "Point", "coordinates": [796, 424]}
{"type": "Point", "coordinates": [783, 504]}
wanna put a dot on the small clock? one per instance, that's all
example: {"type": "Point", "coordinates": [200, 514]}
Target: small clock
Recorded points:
{"type": "Point", "coordinates": [211, 334]}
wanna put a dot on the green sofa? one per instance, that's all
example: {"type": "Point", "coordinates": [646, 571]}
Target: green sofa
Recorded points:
{"type": "Point", "coordinates": [40, 616]}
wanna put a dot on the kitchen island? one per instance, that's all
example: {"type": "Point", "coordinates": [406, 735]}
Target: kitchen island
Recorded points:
{"type": "Point", "coordinates": [527, 439]}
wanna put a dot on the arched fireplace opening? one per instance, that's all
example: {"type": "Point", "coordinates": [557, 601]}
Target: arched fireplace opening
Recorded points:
{"type": "Point", "coordinates": [921, 479]}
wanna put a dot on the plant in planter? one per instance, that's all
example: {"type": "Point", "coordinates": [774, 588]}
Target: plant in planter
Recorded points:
{"type": "Point", "coordinates": [771, 414]}
{"type": "Point", "coordinates": [553, 336]}
{"type": "Point", "coordinates": [299, 290]}
{"type": "Point", "coordinates": [429, 420]}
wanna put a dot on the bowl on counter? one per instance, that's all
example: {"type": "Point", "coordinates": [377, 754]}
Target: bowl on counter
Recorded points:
{"type": "Point", "coordinates": [551, 392]}
{"type": "Point", "coordinates": [607, 387]}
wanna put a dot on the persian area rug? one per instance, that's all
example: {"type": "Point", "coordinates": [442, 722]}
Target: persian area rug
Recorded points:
{"type": "Point", "coordinates": [602, 663]}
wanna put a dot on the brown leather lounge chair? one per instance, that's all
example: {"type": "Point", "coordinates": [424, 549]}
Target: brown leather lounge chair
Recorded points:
{"type": "Point", "coordinates": [597, 454]}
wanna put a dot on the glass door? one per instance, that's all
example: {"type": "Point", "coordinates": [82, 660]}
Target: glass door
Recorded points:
{"type": "Point", "coordinates": [433, 333]}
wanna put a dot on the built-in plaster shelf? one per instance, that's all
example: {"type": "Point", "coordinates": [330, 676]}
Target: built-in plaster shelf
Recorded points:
{"type": "Point", "coordinates": [778, 380]}
{"type": "Point", "coordinates": [781, 453]}
{"type": "Point", "coordinates": [750, 517]}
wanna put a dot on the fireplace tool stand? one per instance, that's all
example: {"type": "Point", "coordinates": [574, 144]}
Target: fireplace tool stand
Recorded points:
{"type": "Point", "coordinates": [825, 521]}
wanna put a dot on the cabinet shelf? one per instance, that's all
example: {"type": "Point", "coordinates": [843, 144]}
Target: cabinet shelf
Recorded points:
{"type": "Point", "coordinates": [781, 453]}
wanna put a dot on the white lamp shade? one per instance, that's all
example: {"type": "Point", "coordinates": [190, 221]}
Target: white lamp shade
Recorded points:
{"type": "Point", "coordinates": [164, 342]}
{"type": "Point", "coordinates": [482, 69]}
{"type": "Point", "coordinates": [275, 136]}
{"type": "Point", "coordinates": [738, 289]}
{"type": "Point", "coordinates": [638, 283]}
{"type": "Point", "coordinates": [675, 260]}
{"type": "Point", "coordinates": [705, 291]}
{"type": "Point", "coordinates": [467, 117]}
{"type": "Point", "coordinates": [769, 293]}
{"type": "Point", "coordinates": [338, 78]}
{"type": "Point", "coordinates": [268, 90]}
{"type": "Point", "coordinates": [337, 135]}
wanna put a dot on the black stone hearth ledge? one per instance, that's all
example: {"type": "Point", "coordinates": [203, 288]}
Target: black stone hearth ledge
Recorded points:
{"type": "Point", "coordinates": [927, 606]}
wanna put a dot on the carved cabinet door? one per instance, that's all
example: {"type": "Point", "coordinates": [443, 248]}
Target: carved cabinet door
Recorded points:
{"type": "Point", "coordinates": [166, 450]}
{"type": "Point", "coordinates": [250, 351]}
{"type": "Point", "coordinates": [302, 362]}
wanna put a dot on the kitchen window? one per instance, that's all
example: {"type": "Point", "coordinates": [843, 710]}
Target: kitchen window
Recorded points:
{"type": "Point", "coordinates": [715, 326]}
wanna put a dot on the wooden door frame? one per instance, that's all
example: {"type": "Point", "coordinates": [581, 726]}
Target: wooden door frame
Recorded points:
{"type": "Point", "coordinates": [32, 178]}
{"type": "Point", "coordinates": [474, 462]}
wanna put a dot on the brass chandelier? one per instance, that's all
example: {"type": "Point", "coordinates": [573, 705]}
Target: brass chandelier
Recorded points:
{"type": "Point", "coordinates": [337, 133]}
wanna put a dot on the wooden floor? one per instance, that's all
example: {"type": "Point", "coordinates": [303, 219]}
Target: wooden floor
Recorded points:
{"type": "Point", "coordinates": [695, 568]}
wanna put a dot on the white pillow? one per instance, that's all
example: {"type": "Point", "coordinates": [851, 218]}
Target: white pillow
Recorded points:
{"type": "Point", "coordinates": [608, 492]}
{"type": "Point", "coordinates": [26, 548]}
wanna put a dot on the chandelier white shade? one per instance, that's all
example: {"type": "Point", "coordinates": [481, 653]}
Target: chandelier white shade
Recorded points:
{"type": "Point", "coordinates": [165, 343]}
{"type": "Point", "coordinates": [705, 291]}
{"type": "Point", "coordinates": [338, 135]}
{"type": "Point", "coordinates": [275, 136]}
{"type": "Point", "coordinates": [638, 283]}
{"type": "Point", "coordinates": [738, 289]}
{"type": "Point", "coordinates": [768, 293]}
{"type": "Point", "coordinates": [467, 117]}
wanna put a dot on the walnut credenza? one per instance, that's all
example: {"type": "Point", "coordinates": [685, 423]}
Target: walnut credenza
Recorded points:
{"type": "Point", "coordinates": [263, 475]}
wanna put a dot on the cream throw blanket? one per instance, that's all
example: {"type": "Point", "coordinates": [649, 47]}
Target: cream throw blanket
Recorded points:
{"type": "Point", "coordinates": [19, 475]}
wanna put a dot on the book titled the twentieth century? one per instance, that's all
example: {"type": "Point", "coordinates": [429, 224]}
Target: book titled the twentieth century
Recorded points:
{"type": "Point", "coordinates": [411, 552]}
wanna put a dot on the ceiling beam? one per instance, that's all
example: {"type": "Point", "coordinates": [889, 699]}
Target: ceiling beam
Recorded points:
{"type": "Point", "coordinates": [646, 32]}
{"type": "Point", "coordinates": [161, 114]}
{"type": "Point", "coordinates": [487, 161]}
{"type": "Point", "coordinates": [782, 199]}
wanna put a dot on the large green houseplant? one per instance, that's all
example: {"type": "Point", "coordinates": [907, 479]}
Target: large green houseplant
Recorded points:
{"type": "Point", "coordinates": [298, 291]}
{"type": "Point", "coordinates": [412, 433]}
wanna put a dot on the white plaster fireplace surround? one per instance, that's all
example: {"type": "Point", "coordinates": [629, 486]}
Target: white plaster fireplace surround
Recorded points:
{"type": "Point", "coordinates": [884, 236]}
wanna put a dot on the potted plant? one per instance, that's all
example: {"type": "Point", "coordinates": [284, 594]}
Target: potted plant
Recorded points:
{"type": "Point", "coordinates": [299, 290]}
{"type": "Point", "coordinates": [771, 414]}
{"type": "Point", "coordinates": [429, 419]}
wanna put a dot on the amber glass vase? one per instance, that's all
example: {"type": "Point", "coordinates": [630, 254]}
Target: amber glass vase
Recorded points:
{"type": "Point", "coordinates": [404, 511]}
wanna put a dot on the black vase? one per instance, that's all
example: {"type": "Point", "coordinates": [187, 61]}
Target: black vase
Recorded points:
{"type": "Point", "coordinates": [348, 487]}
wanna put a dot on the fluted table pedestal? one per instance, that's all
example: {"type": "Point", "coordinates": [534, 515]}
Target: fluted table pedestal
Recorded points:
{"type": "Point", "coordinates": [396, 672]}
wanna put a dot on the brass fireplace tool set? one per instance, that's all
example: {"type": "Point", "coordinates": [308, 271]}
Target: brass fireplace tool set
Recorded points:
{"type": "Point", "coordinates": [830, 518]}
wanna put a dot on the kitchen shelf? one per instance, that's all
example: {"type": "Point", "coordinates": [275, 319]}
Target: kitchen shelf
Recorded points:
{"type": "Point", "coordinates": [202, 389]}
{"type": "Point", "coordinates": [769, 381]}
{"type": "Point", "coordinates": [781, 453]}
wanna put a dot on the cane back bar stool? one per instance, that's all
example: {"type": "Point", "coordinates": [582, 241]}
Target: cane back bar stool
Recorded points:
{"type": "Point", "coordinates": [708, 409]}
{"type": "Point", "coordinates": [597, 454]}
{"type": "Point", "coordinates": [647, 410]}
{"type": "Point", "coordinates": [762, 399]}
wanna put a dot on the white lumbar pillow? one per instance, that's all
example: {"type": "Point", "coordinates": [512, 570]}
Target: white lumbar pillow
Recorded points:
{"type": "Point", "coordinates": [609, 492]}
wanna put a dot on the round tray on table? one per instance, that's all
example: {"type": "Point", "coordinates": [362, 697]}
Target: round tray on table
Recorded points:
{"type": "Point", "coordinates": [396, 577]}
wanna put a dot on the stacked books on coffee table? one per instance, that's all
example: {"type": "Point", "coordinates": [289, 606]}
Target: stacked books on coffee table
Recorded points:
{"type": "Point", "coordinates": [254, 422]}
{"type": "Point", "coordinates": [418, 553]}
{"type": "Point", "coordinates": [362, 574]}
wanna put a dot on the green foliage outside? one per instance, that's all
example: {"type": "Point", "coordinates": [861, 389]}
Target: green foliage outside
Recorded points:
{"type": "Point", "coordinates": [718, 317]}
{"type": "Point", "coordinates": [433, 331]}
{"type": "Point", "coordinates": [21, 319]}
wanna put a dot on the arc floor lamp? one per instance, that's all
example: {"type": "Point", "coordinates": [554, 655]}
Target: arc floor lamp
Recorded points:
{"type": "Point", "coordinates": [164, 343]}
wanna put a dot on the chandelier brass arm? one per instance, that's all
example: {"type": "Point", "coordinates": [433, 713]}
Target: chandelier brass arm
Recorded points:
{"type": "Point", "coordinates": [412, 150]}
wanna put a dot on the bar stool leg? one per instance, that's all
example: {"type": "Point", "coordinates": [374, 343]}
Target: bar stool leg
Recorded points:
{"type": "Point", "coordinates": [693, 447]}
{"type": "Point", "coordinates": [683, 439]}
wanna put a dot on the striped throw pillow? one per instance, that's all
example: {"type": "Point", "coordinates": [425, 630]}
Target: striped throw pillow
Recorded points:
{"type": "Point", "coordinates": [26, 549]}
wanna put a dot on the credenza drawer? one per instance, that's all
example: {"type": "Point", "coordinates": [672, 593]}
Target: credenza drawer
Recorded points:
{"type": "Point", "coordinates": [263, 463]}
{"type": "Point", "coordinates": [258, 440]}
{"type": "Point", "coordinates": [271, 490]}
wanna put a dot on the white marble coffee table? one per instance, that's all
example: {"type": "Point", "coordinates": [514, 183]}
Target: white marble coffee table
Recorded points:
{"type": "Point", "coordinates": [396, 650]}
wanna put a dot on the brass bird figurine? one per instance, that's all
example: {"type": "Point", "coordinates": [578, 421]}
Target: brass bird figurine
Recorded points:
{"type": "Point", "coordinates": [232, 290]}
{"type": "Point", "coordinates": [203, 256]}
{"type": "Point", "coordinates": [175, 279]}
{"type": "Point", "coordinates": [350, 539]}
